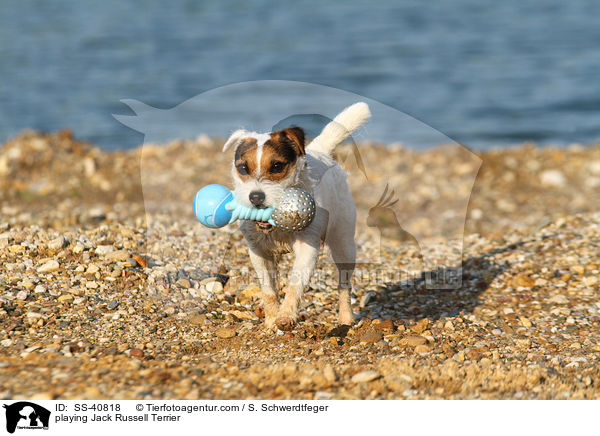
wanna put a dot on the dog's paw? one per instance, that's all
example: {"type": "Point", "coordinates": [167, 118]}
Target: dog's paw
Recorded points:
{"type": "Point", "coordinates": [285, 323]}
{"type": "Point", "coordinates": [270, 323]}
{"type": "Point", "coordinates": [346, 318]}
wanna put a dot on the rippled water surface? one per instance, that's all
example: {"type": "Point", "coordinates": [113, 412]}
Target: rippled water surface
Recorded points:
{"type": "Point", "coordinates": [483, 73]}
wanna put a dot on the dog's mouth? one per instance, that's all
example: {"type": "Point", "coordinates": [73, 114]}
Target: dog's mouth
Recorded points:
{"type": "Point", "coordinates": [264, 226]}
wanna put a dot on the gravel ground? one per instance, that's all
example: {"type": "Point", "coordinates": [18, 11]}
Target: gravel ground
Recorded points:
{"type": "Point", "coordinates": [105, 296]}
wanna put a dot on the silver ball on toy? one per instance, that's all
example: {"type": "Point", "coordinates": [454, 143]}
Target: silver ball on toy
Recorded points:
{"type": "Point", "coordinates": [295, 211]}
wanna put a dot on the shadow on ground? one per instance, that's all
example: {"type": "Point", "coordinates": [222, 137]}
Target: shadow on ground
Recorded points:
{"type": "Point", "coordinates": [410, 301]}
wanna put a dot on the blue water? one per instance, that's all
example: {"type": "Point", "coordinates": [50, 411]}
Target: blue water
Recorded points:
{"type": "Point", "coordinates": [483, 73]}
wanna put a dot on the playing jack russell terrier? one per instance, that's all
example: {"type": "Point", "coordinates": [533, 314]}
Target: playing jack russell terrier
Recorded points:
{"type": "Point", "coordinates": [265, 167]}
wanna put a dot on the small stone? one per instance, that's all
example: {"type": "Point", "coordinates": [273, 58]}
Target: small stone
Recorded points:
{"type": "Point", "coordinates": [508, 310]}
{"type": "Point", "coordinates": [184, 283]}
{"type": "Point", "coordinates": [248, 294]}
{"type": "Point", "coordinates": [136, 352]}
{"type": "Point", "coordinates": [33, 315]}
{"type": "Point", "coordinates": [525, 322]}
{"type": "Point", "coordinates": [118, 256]}
{"type": "Point", "coordinates": [92, 268]}
{"type": "Point", "coordinates": [244, 315]}
{"type": "Point", "coordinates": [50, 266]}
{"type": "Point", "coordinates": [57, 243]}
{"type": "Point", "coordinates": [103, 250]}
{"type": "Point", "coordinates": [421, 326]}
{"type": "Point", "coordinates": [371, 337]}
{"type": "Point", "coordinates": [170, 310]}
{"type": "Point", "coordinates": [590, 280]}
{"type": "Point", "coordinates": [225, 333]}
{"type": "Point", "coordinates": [476, 214]}
{"type": "Point", "coordinates": [559, 299]}
{"type": "Point", "coordinates": [198, 319]}
{"type": "Point", "coordinates": [365, 376]}
{"type": "Point", "coordinates": [398, 384]}
{"type": "Point", "coordinates": [42, 396]}
{"type": "Point", "coordinates": [422, 349]}
{"type": "Point", "coordinates": [290, 369]}
{"type": "Point", "coordinates": [473, 355]}
{"type": "Point", "coordinates": [594, 167]}
{"type": "Point", "coordinates": [386, 326]}
{"type": "Point", "coordinates": [448, 325]}
{"type": "Point", "coordinates": [39, 289]}
{"type": "Point", "coordinates": [415, 340]}
{"type": "Point", "coordinates": [27, 284]}
{"type": "Point", "coordinates": [552, 178]}
{"type": "Point", "coordinates": [6, 342]}
{"type": "Point", "coordinates": [16, 248]}
{"type": "Point", "coordinates": [212, 285]}
{"type": "Point", "coordinates": [578, 269]}
{"type": "Point", "coordinates": [366, 299]}
{"type": "Point", "coordinates": [66, 298]}
{"type": "Point", "coordinates": [92, 392]}
{"type": "Point", "coordinates": [112, 305]}
{"type": "Point", "coordinates": [329, 374]}
{"type": "Point", "coordinates": [130, 262]}
{"type": "Point", "coordinates": [78, 248]}
{"type": "Point", "coordinates": [91, 284]}
{"type": "Point", "coordinates": [22, 295]}
{"type": "Point", "coordinates": [523, 281]}
{"type": "Point", "coordinates": [141, 260]}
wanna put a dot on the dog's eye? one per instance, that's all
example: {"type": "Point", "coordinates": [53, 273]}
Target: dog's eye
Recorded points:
{"type": "Point", "coordinates": [242, 169]}
{"type": "Point", "coordinates": [277, 167]}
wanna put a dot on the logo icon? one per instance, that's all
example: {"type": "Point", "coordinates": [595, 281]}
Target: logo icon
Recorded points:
{"type": "Point", "coordinates": [26, 415]}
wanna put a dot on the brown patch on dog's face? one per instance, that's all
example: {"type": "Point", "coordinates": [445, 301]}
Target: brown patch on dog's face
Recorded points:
{"type": "Point", "coordinates": [246, 162]}
{"type": "Point", "coordinates": [280, 153]}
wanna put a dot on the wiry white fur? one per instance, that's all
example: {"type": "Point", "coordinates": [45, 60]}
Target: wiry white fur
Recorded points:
{"type": "Point", "coordinates": [334, 222]}
{"type": "Point", "coordinates": [273, 191]}
{"type": "Point", "coordinates": [236, 137]}
{"type": "Point", "coordinates": [340, 128]}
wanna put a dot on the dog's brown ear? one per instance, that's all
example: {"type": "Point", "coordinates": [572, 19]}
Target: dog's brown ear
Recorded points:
{"type": "Point", "coordinates": [296, 134]}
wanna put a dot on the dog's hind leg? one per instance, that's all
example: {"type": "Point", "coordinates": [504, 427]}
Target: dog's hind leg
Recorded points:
{"type": "Point", "coordinates": [343, 252]}
{"type": "Point", "coordinates": [266, 269]}
{"type": "Point", "coordinates": [306, 252]}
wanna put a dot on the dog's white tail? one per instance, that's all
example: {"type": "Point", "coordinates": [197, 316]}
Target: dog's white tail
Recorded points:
{"type": "Point", "coordinates": [340, 128]}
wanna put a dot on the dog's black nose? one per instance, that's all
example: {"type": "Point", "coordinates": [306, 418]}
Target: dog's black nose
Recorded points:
{"type": "Point", "coordinates": [257, 198]}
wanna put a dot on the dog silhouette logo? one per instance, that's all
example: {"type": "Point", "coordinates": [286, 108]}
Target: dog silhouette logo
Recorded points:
{"type": "Point", "coordinates": [26, 415]}
{"type": "Point", "coordinates": [383, 217]}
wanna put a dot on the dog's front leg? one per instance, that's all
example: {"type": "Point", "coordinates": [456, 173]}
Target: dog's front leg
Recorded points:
{"type": "Point", "coordinates": [306, 252]}
{"type": "Point", "coordinates": [266, 269]}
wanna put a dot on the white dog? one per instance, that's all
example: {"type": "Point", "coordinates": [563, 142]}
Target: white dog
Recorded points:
{"type": "Point", "coordinates": [265, 164]}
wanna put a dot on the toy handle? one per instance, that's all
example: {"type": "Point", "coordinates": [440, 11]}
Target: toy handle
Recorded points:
{"type": "Point", "coordinates": [239, 211]}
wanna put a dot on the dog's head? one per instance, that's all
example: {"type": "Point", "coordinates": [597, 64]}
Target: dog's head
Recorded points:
{"type": "Point", "coordinates": [265, 164]}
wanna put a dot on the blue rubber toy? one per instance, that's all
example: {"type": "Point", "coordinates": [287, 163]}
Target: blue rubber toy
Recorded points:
{"type": "Point", "coordinates": [210, 206]}
{"type": "Point", "coordinates": [215, 207]}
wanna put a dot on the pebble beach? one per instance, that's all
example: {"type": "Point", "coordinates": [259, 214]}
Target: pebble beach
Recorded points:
{"type": "Point", "coordinates": [110, 289]}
